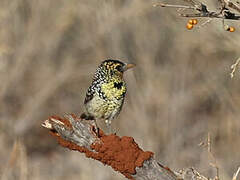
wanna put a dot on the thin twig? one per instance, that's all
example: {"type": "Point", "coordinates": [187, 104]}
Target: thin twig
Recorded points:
{"type": "Point", "coordinates": [209, 143]}
{"type": "Point", "coordinates": [205, 23]}
{"type": "Point", "coordinates": [214, 164]}
{"type": "Point", "coordinates": [174, 6]}
{"type": "Point", "coordinates": [232, 5]}
{"type": "Point", "coordinates": [234, 67]}
{"type": "Point", "coordinates": [236, 174]}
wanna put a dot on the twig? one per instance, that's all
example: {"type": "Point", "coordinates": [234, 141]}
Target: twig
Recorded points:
{"type": "Point", "coordinates": [207, 145]}
{"type": "Point", "coordinates": [214, 164]}
{"type": "Point", "coordinates": [191, 173]}
{"type": "Point", "coordinates": [234, 67]}
{"type": "Point", "coordinates": [210, 15]}
{"type": "Point", "coordinates": [236, 174]}
{"type": "Point", "coordinates": [232, 5]}
{"type": "Point", "coordinates": [205, 23]}
{"type": "Point", "coordinates": [174, 6]}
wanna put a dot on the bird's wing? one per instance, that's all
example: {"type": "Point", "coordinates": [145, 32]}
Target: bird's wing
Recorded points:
{"type": "Point", "coordinates": [89, 94]}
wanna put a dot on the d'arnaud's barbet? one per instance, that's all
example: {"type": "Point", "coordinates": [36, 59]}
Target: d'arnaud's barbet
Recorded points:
{"type": "Point", "coordinates": [105, 96]}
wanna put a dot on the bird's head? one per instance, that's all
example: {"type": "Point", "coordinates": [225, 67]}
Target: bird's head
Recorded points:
{"type": "Point", "coordinates": [115, 67]}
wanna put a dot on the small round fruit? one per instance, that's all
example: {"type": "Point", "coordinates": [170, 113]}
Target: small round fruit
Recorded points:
{"type": "Point", "coordinates": [195, 21]}
{"type": "Point", "coordinates": [231, 29]}
{"type": "Point", "coordinates": [189, 26]}
{"type": "Point", "coordinates": [190, 21]}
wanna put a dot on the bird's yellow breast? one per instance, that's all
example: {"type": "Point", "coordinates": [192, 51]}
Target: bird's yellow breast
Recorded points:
{"type": "Point", "coordinates": [114, 89]}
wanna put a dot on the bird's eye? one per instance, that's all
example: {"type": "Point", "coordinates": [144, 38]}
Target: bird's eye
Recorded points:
{"type": "Point", "coordinates": [119, 68]}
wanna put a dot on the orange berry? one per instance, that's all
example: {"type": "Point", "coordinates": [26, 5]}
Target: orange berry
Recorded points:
{"type": "Point", "coordinates": [190, 21]}
{"type": "Point", "coordinates": [195, 21]}
{"type": "Point", "coordinates": [231, 29]}
{"type": "Point", "coordinates": [189, 26]}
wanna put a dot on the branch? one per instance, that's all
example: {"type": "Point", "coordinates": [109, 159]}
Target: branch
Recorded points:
{"type": "Point", "coordinates": [234, 67]}
{"type": "Point", "coordinates": [231, 5]}
{"type": "Point", "coordinates": [223, 13]}
{"type": "Point", "coordinates": [121, 153]}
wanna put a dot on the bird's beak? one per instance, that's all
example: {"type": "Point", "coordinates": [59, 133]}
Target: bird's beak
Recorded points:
{"type": "Point", "coordinates": [128, 66]}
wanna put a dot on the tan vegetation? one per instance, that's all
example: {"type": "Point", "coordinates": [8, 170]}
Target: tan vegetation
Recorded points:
{"type": "Point", "coordinates": [180, 90]}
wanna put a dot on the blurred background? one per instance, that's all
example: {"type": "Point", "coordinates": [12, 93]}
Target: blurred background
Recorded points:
{"type": "Point", "coordinates": [180, 90]}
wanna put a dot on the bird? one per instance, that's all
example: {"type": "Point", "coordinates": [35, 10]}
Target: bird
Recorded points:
{"type": "Point", "coordinates": [105, 96]}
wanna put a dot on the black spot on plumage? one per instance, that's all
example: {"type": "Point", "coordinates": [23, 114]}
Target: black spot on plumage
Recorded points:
{"type": "Point", "coordinates": [118, 85]}
{"type": "Point", "coordinates": [111, 72]}
{"type": "Point", "coordinates": [89, 96]}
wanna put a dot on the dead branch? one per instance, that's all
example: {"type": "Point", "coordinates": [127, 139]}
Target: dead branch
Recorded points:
{"type": "Point", "coordinates": [121, 153]}
{"type": "Point", "coordinates": [225, 12]}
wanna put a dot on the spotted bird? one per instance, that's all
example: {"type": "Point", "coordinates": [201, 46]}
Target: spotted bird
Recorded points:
{"type": "Point", "coordinates": [105, 96]}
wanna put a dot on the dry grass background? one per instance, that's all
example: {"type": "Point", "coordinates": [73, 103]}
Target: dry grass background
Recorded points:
{"type": "Point", "coordinates": [179, 91]}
